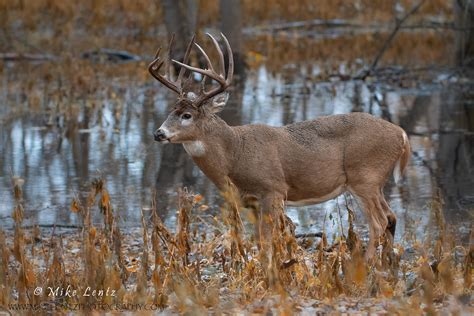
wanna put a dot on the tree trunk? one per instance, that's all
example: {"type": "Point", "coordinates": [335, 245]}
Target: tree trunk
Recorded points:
{"type": "Point", "coordinates": [176, 168]}
{"type": "Point", "coordinates": [180, 19]}
{"type": "Point", "coordinates": [464, 38]}
{"type": "Point", "coordinates": [231, 26]}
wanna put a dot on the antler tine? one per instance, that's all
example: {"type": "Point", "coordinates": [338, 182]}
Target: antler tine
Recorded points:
{"type": "Point", "coordinates": [206, 72]}
{"type": "Point", "coordinates": [230, 58]}
{"type": "Point", "coordinates": [221, 56]}
{"type": "Point", "coordinates": [209, 64]}
{"type": "Point", "coordinates": [168, 58]}
{"type": "Point", "coordinates": [221, 78]}
{"type": "Point", "coordinates": [186, 59]}
{"type": "Point", "coordinates": [154, 69]}
{"type": "Point", "coordinates": [157, 54]}
{"type": "Point", "coordinates": [203, 84]}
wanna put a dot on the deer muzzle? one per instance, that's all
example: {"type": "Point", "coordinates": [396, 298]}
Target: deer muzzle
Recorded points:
{"type": "Point", "coordinates": [160, 135]}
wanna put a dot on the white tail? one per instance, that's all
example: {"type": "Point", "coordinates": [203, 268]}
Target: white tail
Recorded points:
{"type": "Point", "coordinates": [298, 164]}
{"type": "Point", "coordinates": [402, 161]}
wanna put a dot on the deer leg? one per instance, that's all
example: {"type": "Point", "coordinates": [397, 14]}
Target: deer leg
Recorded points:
{"type": "Point", "coordinates": [375, 215]}
{"type": "Point", "coordinates": [391, 217]}
{"type": "Point", "coordinates": [270, 206]}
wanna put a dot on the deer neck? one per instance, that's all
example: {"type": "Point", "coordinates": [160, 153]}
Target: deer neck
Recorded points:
{"type": "Point", "coordinates": [213, 151]}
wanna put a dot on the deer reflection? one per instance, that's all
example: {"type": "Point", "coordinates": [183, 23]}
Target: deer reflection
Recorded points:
{"type": "Point", "coordinates": [455, 154]}
{"type": "Point", "coordinates": [449, 116]}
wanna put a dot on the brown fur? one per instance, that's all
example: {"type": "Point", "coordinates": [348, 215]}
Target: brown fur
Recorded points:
{"type": "Point", "coordinates": [313, 160]}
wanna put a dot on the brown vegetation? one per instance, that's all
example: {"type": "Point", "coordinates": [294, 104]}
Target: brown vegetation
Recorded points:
{"type": "Point", "coordinates": [219, 268]}
{"type": "Point", "coordinates": [71, 27]}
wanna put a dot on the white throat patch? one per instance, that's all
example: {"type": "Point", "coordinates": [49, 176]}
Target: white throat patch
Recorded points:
{"type": "Point", "coordinates": [195, 148]}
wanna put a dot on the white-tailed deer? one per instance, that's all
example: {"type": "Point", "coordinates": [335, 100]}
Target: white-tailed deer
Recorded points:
{"type": "Point", "coordinates": [298, 164]}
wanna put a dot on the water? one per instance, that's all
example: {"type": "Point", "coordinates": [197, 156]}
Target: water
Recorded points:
{"type": "Point", "coordinates": [59, 137]}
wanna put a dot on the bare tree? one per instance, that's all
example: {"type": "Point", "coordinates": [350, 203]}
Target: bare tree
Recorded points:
{"type": "Point", "coordinates": [464, 22]}
{"type": "Point", "coordinates": [180, 19]}
{"type": "Point", "coordinates": [231, 26]}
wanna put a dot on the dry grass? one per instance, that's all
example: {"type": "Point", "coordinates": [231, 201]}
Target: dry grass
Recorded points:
{"type": "Point", "coordinates": [213, 265]}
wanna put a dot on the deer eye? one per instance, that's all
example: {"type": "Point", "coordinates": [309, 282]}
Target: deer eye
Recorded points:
{"type": "Point", "coordinates": [186, 116]}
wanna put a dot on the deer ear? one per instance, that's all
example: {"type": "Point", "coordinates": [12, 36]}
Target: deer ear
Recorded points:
{"type": "Point", "coordinates": [218, 102]}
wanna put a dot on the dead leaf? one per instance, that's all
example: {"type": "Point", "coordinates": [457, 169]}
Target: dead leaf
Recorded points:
{"type": "Point", "coordinates": [75, 206]}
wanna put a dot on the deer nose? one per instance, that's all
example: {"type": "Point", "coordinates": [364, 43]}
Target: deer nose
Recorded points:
{"type": "Point", "coordinates": [159, 135]}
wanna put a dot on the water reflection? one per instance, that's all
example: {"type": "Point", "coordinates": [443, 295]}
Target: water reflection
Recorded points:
{"type": "Point", "coordinates": [112, 138]}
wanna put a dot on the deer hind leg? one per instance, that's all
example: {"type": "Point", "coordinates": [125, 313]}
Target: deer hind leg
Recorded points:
{"type": "Point", "coordinates": [391, 217]}
{"type": "Point", "coordinates": [374, 212]}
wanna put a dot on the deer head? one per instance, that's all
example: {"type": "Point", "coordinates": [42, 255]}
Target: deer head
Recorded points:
{"type": "Point", "coordinates": [193, 108]}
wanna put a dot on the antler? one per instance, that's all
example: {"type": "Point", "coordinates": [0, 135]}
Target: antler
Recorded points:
{"type": "Point", "coordinates": [224, 80]}
{"type": "Point", "coordinates": [155, 65]}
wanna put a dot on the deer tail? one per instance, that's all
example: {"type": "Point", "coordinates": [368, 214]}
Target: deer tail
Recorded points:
{"type": "Point", "coordinates": [403, 160]}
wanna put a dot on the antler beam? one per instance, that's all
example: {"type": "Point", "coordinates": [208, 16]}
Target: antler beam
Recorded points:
{"type": "Point", "coordinates": [224, 80]}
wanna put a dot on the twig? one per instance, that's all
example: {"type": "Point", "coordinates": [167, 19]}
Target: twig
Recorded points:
{"type": "Point", "coordinates": [54, 226]}
{"type": "Point", "coordinates": [391, 37]}
{"type": "Point", "coordinates": [309, 235]}
{"type": "Point", "coordinates": [340, 218]}
{"type": "Point", "coordinates": [199, 217]}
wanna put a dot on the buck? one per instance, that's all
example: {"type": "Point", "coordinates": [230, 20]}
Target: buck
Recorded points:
{"type": "Point", "coordinates": [298, 164]}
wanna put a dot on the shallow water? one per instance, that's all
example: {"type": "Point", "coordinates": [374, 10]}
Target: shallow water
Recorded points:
{"type": "Point", "coordinates": [59, 147]}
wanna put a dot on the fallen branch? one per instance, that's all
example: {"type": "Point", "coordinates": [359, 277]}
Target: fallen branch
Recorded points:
{"type": "Point", "coordinates": [54, 226]}
{"type": "Point", "coordinates": [104, 54]}
{"type": "Point", "coordinates": [26, 56]}
{"type": "Point", "coordinates": [110, 55]}
{"type": "Point", "coordinates": [309, 235]}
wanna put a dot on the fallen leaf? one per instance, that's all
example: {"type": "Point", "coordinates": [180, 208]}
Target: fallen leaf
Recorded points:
{"type": "Point", "coordinates": [75, 206]}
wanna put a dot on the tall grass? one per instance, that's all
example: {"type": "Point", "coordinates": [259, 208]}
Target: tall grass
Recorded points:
{"type": "Point", "coordinates": [218, 266]}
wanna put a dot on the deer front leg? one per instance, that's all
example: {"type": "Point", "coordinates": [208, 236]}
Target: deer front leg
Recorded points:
{"type": "Point", "coordinates": [266, 214]}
